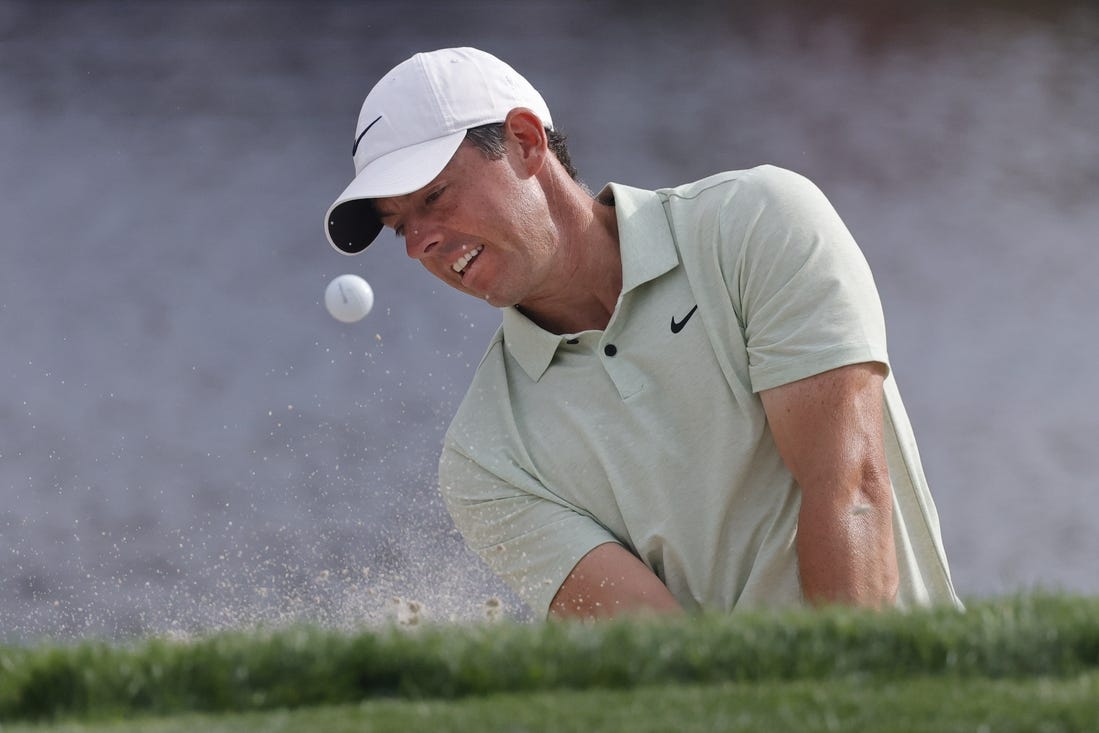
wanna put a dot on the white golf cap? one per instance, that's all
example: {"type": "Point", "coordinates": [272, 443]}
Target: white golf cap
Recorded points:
{"type": "Point", "coordinates": [410, 126]}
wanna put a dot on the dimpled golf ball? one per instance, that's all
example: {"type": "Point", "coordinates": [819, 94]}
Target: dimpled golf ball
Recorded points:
{"type": "Point", "coordinates": [348, 298]}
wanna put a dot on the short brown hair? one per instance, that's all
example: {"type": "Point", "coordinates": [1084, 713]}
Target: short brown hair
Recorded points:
{"type": "Point", "coordinates": [489, 139]}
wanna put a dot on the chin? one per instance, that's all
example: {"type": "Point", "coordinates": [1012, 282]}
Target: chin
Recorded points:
{"type": "Point", "coordinates": [497, 302]}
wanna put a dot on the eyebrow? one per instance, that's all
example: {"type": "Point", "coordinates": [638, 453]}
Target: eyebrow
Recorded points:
{"type": "Point", "coordinates": [379, 211]}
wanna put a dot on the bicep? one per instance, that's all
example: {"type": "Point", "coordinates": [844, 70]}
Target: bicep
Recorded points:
{"type": "Point", "coordinates": [830, 424]}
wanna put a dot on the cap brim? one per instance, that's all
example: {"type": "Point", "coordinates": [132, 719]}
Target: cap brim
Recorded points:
{"type": "Point", "coordinates": [351, 223]}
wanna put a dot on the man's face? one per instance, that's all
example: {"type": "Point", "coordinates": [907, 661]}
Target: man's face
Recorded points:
{"type": "Point", "coordinates": [481, 226]}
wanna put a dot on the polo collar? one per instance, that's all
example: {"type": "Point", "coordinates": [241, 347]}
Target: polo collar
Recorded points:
{"type": "Point", "coordinates": [648, 252]}
{"type": "Point", "coordinates": [644, 236]}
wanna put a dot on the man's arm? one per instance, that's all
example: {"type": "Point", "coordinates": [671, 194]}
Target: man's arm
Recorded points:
{"type": "Point", "coordinates": [611, 581]}
{"type": "Point", "coordinates": [828, 429]}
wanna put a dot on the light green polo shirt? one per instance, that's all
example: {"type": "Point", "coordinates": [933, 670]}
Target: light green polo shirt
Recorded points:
{"type": "Point", "coordinates": [652, 434]}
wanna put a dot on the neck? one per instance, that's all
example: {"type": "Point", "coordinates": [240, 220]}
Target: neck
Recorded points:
{"type": "Point", "coordinates": [589, 266]}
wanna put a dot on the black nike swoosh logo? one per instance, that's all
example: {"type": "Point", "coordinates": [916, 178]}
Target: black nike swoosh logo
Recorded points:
{"type": "Point", "coordinates": [355, 147]}
{"type": "Point", "coordinates": [677, 327]}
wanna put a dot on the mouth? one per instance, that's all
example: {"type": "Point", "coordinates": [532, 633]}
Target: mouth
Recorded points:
{"type": "Point", "coordinates": [462, 262]}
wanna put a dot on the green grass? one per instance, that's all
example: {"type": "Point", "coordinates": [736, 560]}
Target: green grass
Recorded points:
{"type": "Point", "coordinates": [935, 705]}
{"type": "Point", "coordinates": [1028, 663]}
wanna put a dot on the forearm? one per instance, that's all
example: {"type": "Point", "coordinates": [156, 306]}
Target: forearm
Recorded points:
{"type": "Point", "coordinates": [845, 547]}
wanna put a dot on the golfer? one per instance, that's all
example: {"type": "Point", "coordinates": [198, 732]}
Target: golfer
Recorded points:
{"type": "Point", "coordinates": [688, 404]}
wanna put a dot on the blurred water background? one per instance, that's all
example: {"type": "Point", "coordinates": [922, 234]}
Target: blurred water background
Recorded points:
{"type": "Point", "coordinates": [188, 441]}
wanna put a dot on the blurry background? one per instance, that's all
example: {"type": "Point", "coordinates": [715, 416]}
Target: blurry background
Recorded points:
{"type": "Point", "coordinates": [188, 441]}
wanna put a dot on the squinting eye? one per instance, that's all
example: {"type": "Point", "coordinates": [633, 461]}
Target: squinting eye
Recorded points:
{"type": "Point", "coordinates": [434, 195]}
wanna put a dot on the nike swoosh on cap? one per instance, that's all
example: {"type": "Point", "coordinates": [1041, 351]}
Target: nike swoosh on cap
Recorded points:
{"type": "Point", "coordinates": [355, 147]}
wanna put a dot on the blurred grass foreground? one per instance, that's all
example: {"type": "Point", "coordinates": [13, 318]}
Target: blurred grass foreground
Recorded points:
{"type": "Point", "coordinates": [1028, 661]}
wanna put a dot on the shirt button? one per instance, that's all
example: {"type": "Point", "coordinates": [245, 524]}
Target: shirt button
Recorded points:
{"type": "Point", "coordinates": [610, 349]}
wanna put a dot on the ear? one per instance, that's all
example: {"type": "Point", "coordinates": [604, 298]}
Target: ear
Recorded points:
{"type": "Point", "coordinates": [527, 136]}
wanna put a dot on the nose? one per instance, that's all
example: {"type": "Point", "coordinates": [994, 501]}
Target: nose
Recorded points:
{"type": "Point", "coordinates": [419, 240]}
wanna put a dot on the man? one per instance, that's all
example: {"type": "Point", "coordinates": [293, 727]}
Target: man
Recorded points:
{"type": "Point", "coordinates": [688, 404]}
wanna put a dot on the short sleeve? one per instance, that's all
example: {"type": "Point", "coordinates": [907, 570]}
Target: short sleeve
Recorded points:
{"type": "Point", "coordinates": [803, 290]}
{"type": "Point", "coordinates": [528, 537]}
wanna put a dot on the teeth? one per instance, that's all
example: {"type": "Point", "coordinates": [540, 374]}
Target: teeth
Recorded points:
{"type": "Point", "coordinates": [466, 259]}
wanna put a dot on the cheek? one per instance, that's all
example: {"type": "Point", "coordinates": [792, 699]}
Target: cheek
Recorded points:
{"type": "Point", "coordinates": [526, 214]}
{"type": "Point", "coordinates": [438, 269]}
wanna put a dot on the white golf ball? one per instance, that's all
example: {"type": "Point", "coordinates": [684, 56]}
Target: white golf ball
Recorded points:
{"type": "Point", "coordinates": [349, 298]}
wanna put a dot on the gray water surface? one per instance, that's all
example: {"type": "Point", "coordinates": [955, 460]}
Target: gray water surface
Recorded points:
{"type": "Point", "coordinates": [188, 441]}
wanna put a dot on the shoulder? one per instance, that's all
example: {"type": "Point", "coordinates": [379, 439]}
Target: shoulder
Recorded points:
{"type": "Point", "coordinates": [743, 205]}
{"type": "Point", "coordinates": [764, 181]}
{"type": "Point", "coordinates": [723, 213]}
{"type": "Point", "coordinates": [754, 207]}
